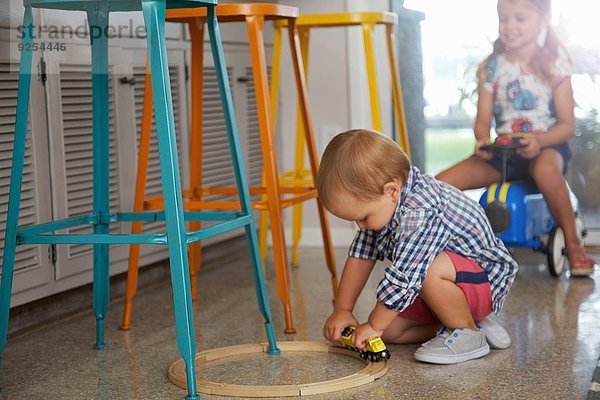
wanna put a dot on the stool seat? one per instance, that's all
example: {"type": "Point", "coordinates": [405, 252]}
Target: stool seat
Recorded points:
{"type": "Point", "coordinates": [238, 12]}
{"type": "Point", "coordinates": [111, 5]}
{"type": "Point", "coordinates": [344, 19]}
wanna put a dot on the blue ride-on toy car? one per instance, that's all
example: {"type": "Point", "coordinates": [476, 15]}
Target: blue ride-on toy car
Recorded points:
{"type": "Point", "coordinates": [519, 214]}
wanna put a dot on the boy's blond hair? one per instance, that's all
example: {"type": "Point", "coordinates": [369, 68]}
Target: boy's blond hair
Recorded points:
{"type": "Point", "coordinates": [359, 162]}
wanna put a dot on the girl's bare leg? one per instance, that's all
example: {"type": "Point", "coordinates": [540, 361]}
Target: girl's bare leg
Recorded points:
{"type": "Point", "coordinates": [471, 173]}
{"type": "Point", "coordinates": [546, 169]}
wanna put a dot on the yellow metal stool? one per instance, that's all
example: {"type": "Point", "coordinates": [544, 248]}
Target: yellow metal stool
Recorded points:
{"type": "Point", "coordinates": [275, 196]}
{"type": "Point", "coordinates": [367, 21]}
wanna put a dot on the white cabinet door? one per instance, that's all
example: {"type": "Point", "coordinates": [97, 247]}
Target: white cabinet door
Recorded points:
{"type": "Point", "coordinates": [32, 263]}
{"type": "Point", "coordinates": [134, 61]}
{"type": "Point", "coordinates": [216, 163]}
{"type": "Point", "coordinates": [69, 99]}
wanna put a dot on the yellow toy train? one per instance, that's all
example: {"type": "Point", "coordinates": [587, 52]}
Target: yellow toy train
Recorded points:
{"type": "Point", "coordinates": [376, 350]}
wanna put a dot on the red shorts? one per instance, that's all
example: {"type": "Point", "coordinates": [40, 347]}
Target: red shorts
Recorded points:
{"type": "Point", "coordinates": [473, 281]}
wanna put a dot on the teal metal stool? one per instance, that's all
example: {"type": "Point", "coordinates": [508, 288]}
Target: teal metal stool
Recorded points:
{"type": "Point", "coordinates": [176, 236]}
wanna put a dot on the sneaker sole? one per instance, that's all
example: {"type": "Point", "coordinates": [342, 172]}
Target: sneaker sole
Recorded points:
{"type": "Point", "coordinates": [498, 343]}
{"type": "Point", "coordinates": [582, 272]}
{"type": "Point", "coordinates": [495, 334]}
{"type": "Point", "coordinates": [497, 340]}
{"type": "Point", "coordinates": [445, 359]}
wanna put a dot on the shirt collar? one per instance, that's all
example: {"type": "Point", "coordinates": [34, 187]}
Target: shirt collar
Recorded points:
{"type": "Point", "coordinates": [406, 188]}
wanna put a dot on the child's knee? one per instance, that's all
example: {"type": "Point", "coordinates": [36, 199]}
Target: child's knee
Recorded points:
{"type": "Point", "coordinates": [547, 166]}
{"type": "Point", "coordinates": [441, 269]}
{"type": "Point", "coordinates": [545, 170]}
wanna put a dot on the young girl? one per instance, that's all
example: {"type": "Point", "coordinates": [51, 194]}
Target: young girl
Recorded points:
{"type": "Point", "coordinates": [525, 85]}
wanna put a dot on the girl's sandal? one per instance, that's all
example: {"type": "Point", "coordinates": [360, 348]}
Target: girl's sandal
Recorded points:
{"type": "Point", "coordinates": [580, 263]}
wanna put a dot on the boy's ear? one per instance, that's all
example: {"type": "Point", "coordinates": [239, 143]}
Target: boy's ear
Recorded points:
{"type": "Point", "coordinates": [393, 189]}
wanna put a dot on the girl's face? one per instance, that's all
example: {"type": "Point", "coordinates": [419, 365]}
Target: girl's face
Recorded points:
{"type": "Point", "coordinates": [520, 25]}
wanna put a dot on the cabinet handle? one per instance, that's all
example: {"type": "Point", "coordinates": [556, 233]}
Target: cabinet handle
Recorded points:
{"type": "Point", "coordinates": [127, 81]}
{"type": "Point", "coordinates": [243, 79]}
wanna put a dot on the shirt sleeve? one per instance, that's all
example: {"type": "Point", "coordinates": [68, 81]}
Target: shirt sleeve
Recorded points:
{"type": "Point", "coordinates": [490, 78]}
{"type": "Point", "coordinates": [422, 237]}
{"type": "Point", "coordinates": [564, 68]}
{"type": "Point", "coordinates": [364, 246]}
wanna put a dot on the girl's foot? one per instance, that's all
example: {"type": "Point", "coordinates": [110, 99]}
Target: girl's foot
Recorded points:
{"type": "Point", "coordinates": [580, 263]}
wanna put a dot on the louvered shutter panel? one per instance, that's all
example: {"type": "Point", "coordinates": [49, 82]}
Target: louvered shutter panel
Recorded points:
{"type": "Point", "coordinates": [153, 180]}
{"type": "Point", "coordinates": [217, 169]}
{"type": "Point", "coordinates": [217, 164]}
{"type": "Point", "coordinates": [254, 159]}
{"type": "Point", "coordinates": [76, 100]}
{"type": "Point", "coordinates": [32, 269]}
{"type": "Point", "coordinates": [27, 256]}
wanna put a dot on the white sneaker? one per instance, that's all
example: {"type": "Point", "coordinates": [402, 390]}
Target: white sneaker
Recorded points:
{"type": "Point", "coordinates": [451, 347]}
{"type": "Point", "coordinates": [495, 334]}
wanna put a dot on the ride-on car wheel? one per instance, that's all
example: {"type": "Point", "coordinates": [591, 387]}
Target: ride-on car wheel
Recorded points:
{"type": "Point", "coordinates": [556, 252]}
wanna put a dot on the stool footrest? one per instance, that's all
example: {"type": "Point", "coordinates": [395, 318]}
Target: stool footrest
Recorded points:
{"type": "Point", "coordinates": [92, 238]}
{"type": "Point", "coordinates": [200, 192]}
{"type": "Point", "coordinates": [38, 234]}
{"type": "Point", "coordinates": [188, 216]}
{"type": "Point", "coordinates": [290, 196]}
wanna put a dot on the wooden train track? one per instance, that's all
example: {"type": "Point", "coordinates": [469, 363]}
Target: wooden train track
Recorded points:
{"type": "Point", "coordinates": [369, 373]}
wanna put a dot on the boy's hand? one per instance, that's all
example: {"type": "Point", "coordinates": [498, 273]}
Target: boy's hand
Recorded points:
{"type": "Point", "coordinates": [486, 155]}
{"type": "Point", "coordinates": [336, 323]}
{"type": "Point", "coordinates": [362, 333]}
{"type": "Point", "coordinates": [532, 147]}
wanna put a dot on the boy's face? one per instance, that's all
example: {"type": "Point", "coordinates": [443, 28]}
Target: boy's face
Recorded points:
{"type": "Point", "coordinates": [368, 214]}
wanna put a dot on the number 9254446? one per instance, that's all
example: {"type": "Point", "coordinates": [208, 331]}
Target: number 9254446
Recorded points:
{"type": "Point", "coordinates": [43, 46]}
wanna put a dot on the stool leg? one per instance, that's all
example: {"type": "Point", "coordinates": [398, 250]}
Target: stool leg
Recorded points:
{"type": "Point", "coordinates": [98, 21]}
{"type": "Point", "coordinates": [397, 92]}
{"type": "Point", "coordinates": [299, 165]}
{"type": "Point", "coordinates": [197, 38]}
{"type": "Point", "coordinates": [254, 25]}
{"type": "Point", "coordinates": [154, 18]}
{"type": "Point", "coordinates": [138, 201]}
{"type": "Point", "coordinates": [368, 33]}
{"type": "Point", "coordinates": [263, 228]}
{"type": "Point", "coordinates": [240, 176]}
{"type": "Point", "coordinates": [16, 177]}
{"type": "Point", "coordinates": [312, 149]}
{"type": "Point", "coordinates": [274, 94]}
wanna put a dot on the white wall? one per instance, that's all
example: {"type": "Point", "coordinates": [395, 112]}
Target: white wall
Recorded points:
{"type": "Point", "coordinates": [338, 97]}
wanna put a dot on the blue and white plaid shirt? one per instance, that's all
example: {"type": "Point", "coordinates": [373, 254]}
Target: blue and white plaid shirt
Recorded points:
{"type": "Point", "coordinates": [433, 216]}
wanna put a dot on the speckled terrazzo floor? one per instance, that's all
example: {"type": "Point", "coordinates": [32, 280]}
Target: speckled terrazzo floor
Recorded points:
{"type": "Point", "coordinates": [554, 324]}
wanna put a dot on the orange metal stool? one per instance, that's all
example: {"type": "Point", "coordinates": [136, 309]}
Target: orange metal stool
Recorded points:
{"type": "Point", "coordinates": [367, 21]}
{"type": "Point", "coordinates": [276, 196]}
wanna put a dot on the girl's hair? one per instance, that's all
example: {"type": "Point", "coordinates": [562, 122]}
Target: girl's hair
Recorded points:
{"type": "Point", "coordinates": [359, 162]}
{"type": "Point", "coordinates": [543, 61]}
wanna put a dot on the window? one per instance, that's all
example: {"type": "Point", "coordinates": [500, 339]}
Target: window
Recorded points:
{"type": "Point", "coordinates": [454, 42]}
